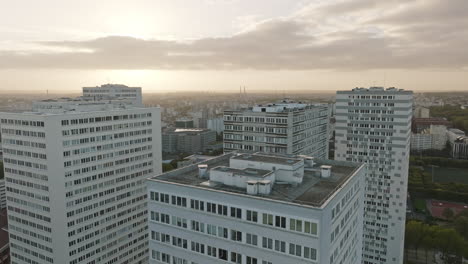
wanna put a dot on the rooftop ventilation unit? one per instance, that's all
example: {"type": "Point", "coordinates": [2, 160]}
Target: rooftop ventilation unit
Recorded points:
{"type": "Point", "coordinates": [252, 187]}
{"type": "Point", "coordinates": [325, 171]}
{"type": "Point", "coordinates": [202, 171]}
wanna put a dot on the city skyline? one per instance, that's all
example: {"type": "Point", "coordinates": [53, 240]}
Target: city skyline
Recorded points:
{"type": "Point", "coordinates": [266, 45]}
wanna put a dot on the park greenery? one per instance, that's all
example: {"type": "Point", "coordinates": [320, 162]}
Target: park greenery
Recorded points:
{"type": "Point", "coordinates": [458, 116]}
{"type": "Point", "coordinates": [451, 241]}
{"type": "Point", "coordinates": [438, 161]}
{"type": "Point", "coordinates": [420, 184]}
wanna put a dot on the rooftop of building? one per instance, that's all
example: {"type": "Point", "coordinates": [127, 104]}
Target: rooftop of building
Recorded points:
{"type": "Point", "coordinates": [256, 173]}
{"type": "Point", "coordinates": [185, 130]}
{"type": "Point", "coordinates": [375, 89]}
{"type": "Point", "coordinates": [283, 106]}
{"type": "Point", "coordinates": [457, 131]}
{"type": "Point", "coordinates": [112, 86]}
{"type": "Point", "coordinates": [268, 159]}
{"type": "Point", "coordinates": [314, 190]}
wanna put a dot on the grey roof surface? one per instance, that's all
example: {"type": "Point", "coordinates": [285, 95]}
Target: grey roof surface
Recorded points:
{"type": "Point", "coordinates": [313, 191]}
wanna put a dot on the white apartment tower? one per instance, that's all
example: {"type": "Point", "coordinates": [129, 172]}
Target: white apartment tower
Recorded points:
{"type": "Point", "coordinates": [257, 209]}
{"type": "Point", "coordinates": [373, 125]}
{"type": "Point", "coordinates": [281, 128]}
{"type": "Point", "coordinates": [75, 175]}
{"type": "Point", "coordinates": [115, 91]}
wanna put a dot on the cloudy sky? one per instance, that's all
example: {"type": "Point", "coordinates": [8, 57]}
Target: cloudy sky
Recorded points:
{"type": "Point", "coordinates": [218, 45]}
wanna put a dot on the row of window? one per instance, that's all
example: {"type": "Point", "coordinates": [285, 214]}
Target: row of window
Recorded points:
{"type": "Point", "coordinates": [104, 119]}
{"type": "Point", "coordinates": [22, 122]}
{"type": "Point", "coordinates": [24, 133]}
{"type": "Point", "coordinates": [298, 225]}
{"type": "Point", "coordinates": [236, 235]}
{"type": "Point", "coordinates": [86, 130]}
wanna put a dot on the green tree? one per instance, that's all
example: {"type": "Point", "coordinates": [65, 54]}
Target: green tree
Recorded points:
{"type": "Point", "coordinates": [461, 225]}
{"type": "Point", "coordinates": [449, 243]}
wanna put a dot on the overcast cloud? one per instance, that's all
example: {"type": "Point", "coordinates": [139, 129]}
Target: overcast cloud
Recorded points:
{"type": "Point", "coordinates": [349, 35]}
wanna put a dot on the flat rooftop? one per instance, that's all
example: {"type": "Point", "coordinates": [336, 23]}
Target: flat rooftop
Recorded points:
{"type": "Point", "coordinates": [313, 191]}
{"type": "Point", "coordinates": [250, 172]}
{"type": "Point", "coordinates": [268, 159]}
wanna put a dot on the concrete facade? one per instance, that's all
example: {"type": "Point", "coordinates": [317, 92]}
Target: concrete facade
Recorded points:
{"type": "Point", "coordinates": [115, 91]}
{"type": "Point", "coordinates": [284, 128]}
{"type": "Point", "coordinates": [75, 181]}
{"type": "Point", "coordinates": [209, 216]}
{"type": "Point", "coordinates": [373, 125]}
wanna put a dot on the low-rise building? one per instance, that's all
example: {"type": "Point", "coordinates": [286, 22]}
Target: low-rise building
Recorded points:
{"type": "Point", "coordinates": [190, 140]}
{"type": "Point", "coordinates": [420, 124]}
{"type": "Point", "coordinates": [435, 137]}
{"type": "Point", "coordinates": [459, 143]}
{"type": "Point", "coordinates": [258, 208]}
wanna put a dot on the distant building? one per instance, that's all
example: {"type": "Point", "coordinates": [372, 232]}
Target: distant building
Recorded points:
{"type": "Point", "coordinates": [433, 138]}
{"type": "Point", "coordinates": [421, 142]}
{"type": "Point", "coordinates": [420, 124]}
{"type": "Point", "coordinates": [114, 91]}
{"type": "Point", "coordinates": [373, 126]}
{"type": "Point", "coordinates": [216, 124]}
{"type": "Point", "coordinates": [283, 128]}
{"type": "Point", "coordinates": [421, 112]}
{"type": "Point", "coordinates": [258, 208]}
{"type": "Point", "coordinates": [459, 143]}
{"type": "Point", "coordinates": [184, 123]}
{"type": "Point", "coordinates": [191, 140]}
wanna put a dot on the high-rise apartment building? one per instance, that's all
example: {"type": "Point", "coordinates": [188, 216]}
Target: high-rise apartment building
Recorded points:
{"type": "Point", "coordinates": [75, 175]}
{"type": "Point", "coordinates": [115, 91]}
{"type": "Point", "coordinates": [257, 209]}
{"type": "Point", "coordinates": [374, 126]}
{"type": "Point", "coordinates": [282, 128]}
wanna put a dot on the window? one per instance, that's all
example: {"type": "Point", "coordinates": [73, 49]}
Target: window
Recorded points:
{"type": "Point", "coordinates": [310, 228]}
{"type": "Point", "coordinates": [267, 219]}
{"type": "Point", "coordinates": [295, 250]}
{"type": "Point", "coordinates": [251, 239]}
{"type": "Point", "coordinates": [236, 212]}
{"type": "Point", "coordinates": [310, 253]}
{"type": "Point", "coordinates": [267, 243]}
{"type": "Point", "coordinates": [252, 216]}
{"type": "Point", "coordinates": [295, 225]}
{"type": "Point", "coordinates": [280, 221]}
{"type": "Point", "coordinates": [280, 246]}
{"type": "Point", "coordinates": [236, 258]}
{"type": "Point", "coordinates": [222, 254]}
{"type": "Point", "coordinates": [236, 235]}
{"type": "Point", "coordinates": [251, 260]}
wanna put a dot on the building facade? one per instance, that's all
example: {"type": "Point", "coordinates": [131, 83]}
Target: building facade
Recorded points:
{"type": "Point", "coordinates": [257, 208]}
{"type": "Point", "coordinates": [282, 128]}
{"type": "Point", "coordinates": [75, 181]}
{"type": "Point", "coordinates": [373, 125]}
{"type": "Point", "coordinates": [190, 140]}
{"type": "Point", "coordinates": [115, 91]}
{"type": "Point", "coordinates": [459, 143]}
{"type": "Point", "coordinates": [435, 137]}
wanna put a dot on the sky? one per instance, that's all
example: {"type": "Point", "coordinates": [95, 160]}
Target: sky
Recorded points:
{"type": "Point", "coordinates": [219, 45]}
